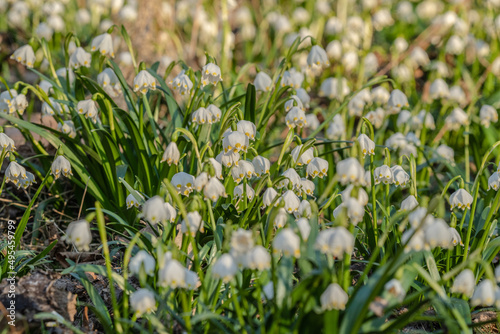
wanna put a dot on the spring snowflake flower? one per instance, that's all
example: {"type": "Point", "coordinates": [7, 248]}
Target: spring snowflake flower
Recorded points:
{"type": "Point", "coordinates": [455, 237]}
{"type": "Point", "coordinates": [461, 199]}
{"type": "Point", "coordinates": [488, 114]}
{"type": "Point", "coordinates": [80, 58]}
{"type": "Point", "coordinates": [10, 102]}
{"type": "Point", "coordinates": [108, 80]}
{"type": "Point", "coordinates": [171, 213]}
{"type": "Point", "coordinates": [494, 181]}
{"type": "Point", "coordinates": [68, 128]}
{"type": "Point", "coordinates": [153, 210]}
{"type": "Point", "coordinates": [419, 57]}
{"type": "Point", "coordinates": [61, 166]}
{"type": "Point", "coordinates": [397, 100]}
{"type": "Point", "coordinates": [104, 44]}
{"type": "Point", "coordinates": [241, 241]}
{"type": "Point", "coordinates": [144, 81]}
{"type": "Point", "coordinates": [261, 165]}
{"type": "Point", "coordinates": [78, 233]}
{"type": "Point", "coordinates": [334, 50]}
{"type": "Point", "coordinates": [244, 169]}
{"type": "Point", "coordinates": [334, 298]}
{"type": "Point", "coordinates": [131, 201]}
{"type": "Point", "coordinates": [395, 289]}
{"type": "Point", "coordinates": [362, 197]}
{"type": "Point", "coordinates": [24, 55]}
{"type": "Point", "coordinates": [304, 210]}
{"type": "Point", "coordinates": [439, 89]}
{"type": "Point", "coordinates": [417, 241]}
{"type": "Point", "coordinates": [330, 88]}
{"type": "Point", "coordinates": [304, 228]}
{"type": "Point", "coordinates": [224, 268]}
{"type": "Point", "coordinates": [182, 82]}
{"type": "Point", "coordinates": [317, 167]}
{"type": "Point", "coordinates": [238, 192]}
{"type": "Point", "coordinates": [484, 294]}
{"type": "Point", "coordinates": [281, 218]}
{"type": "Point", "coordinates": [336, 129]}
{"type": "Point", "coordinates": [292, 78]}
{"type": "Point", "coordinates": [235, 141]}
{"type": "Point", "coordinates": [288, 242]}
{"type": "Point", "coordinates": [214, 189]}
{"type": "Point", "coordinates": [66, 74]}
{"type": "Point", "coordinates": [355, 210]}
{"type": "Point", "coordinates": [292, 201]}
{"type": "Point", "coordinates": [296, 118]}
{"type": "Point", "coordinates": [88, 108]}
{"type": "Point", "coordinates": [192, 280]}
{"type": "Point", "coordinates": [383, 174]}
{"type": "Point", "coordinates": [464, 283]}
{"type": "Point", "coordinates": [248, 128]}
{"type": "Point", "coordinates": [409, 203]}
{"type": "Point", "coordinates": [293, 102]}
{"type": "Point", "coordinates": [263, 82]}
{"type": "Point", "coordinates": [445, 152]}
{"type": "Point", "coordinates": [202, 116]}
{"type": "Point", "coordinates": [142, 260]}
{"type": "Point", "coordinates": [210, 73]}
{"type": "Point", "coordinates": [291, 176]}
{"type": "Point", "coordinates": [56, 108]}
{"type": "Point", "coordinates": [215, 111]}
{"type": "Point", "coordinates": [380, 95]}
{"type": "Point", "coordinates": [400, 176]}
{"type": "Point", "coordinates": [350, 171]}
{"type": "Point", "coordinates": [228, 159]}
{"type": "Point", "coordinates": [367, 145]}
{"type": "Point", "coordinates": [142, 301]}
{"type": "Point", "coordinates": [376, 117]}
{"type": "Point", "coordinates": [259, 258]}
{"type": "Point", "coordinates": [172, 275]}
{"type": "Point", "coordinates": [193, 223]}
{"type": "Point", "coordinates": [15, 173]}
{"type": "Point", "coordinates": [307, 186]}
{"type": "Point", "coordinates": [335, 241]}
{"type": "Point", "coordinates": [317, 56]}
{"type": "Point", "coordinates": [269, 196]}
{"type": "Point", "coordinates": [7, 144]}
{"type": "Point", "coordinates": [456, 119]}
{"type": "Point", "coordinates": [200, 181]}
{"type": "Point", "coordinates": [171, 154]}
{"type": "Point", "coordinates": [437, 234]}
{"type": "Point", "coordinates": [183, 182]}
{"type": "Point", "coordinates": [306, 156]}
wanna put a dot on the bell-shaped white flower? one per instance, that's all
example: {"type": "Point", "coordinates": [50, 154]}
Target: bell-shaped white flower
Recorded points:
{"type": "Point", "coordinates": [66, 74]}
{"type": "Point", "coordinates": [192, 280]}
{"type": "Point", "coordinates": [214, 189]}
{"type": "Point", "coordinates": [144, 82]}
{"type": "Point", "coordinates": [383, 174]}
{"type": "Point", "coordinates": [409, 203]}
{"type": "Point", "coordinates": [238, 192]}
{"type": "Point", "coordinates": [182, 82]}
{"type": "Point", "coordinates": [263, 82]}
{"type": "Point", "coordinates": [395, 289]}
{"type": "Point", "coordinates": [153, 210]}
{"type": "Point", "coordinates": [367, 145]}
{"type": "Point", "coordinates": [296, 118]}
{"type": "Point", "coordinates": [445, 152]}
{"type": "Point", "coordinates": [488, 114]}
{"type": "Point", "coordinates": [224, 268]}
{"type": "Point", "coordinates": [330, 88]}
{"type": "Point", "coordinates": [437, 234]}
{"type": "Point", "coordinates": [171, 212]}
{"type": "Point", "coordinates": [281, 218]}
{"type": "Point", "coordinates": [484, 294]}
{"type": "Point", "coordinates": [350, 171]}
{"type": "Point", "coordinates": [88, 108]}
{"type": "Point", "coordinates": [355, 210]}
{"type": "Point", "coordinates": [142, 301]}
{"type": "Point", "coordinates": [200, 181]}
{"type": "Point", "coordinates": [193, 223]}
{"type": "Point", "coordinates": [362, 196]}
{"type": "Point", "coordinates": [334, 298]}
{"type": "Point", "coordinates": [304, 210]}
{"type": "Point", "coordinates": [68, 128]}
{"type": "Point", "coordinates": [293, 102]}
{"type": "Point", "coordinates": [307, 186]}
{"type": "Point", "coordinates": [131, 201]}
{"type": "Point", "coordinates": [292, 201]}
{"type": "Point", "coordinates": [202, 116]}
{"type": "Point", "coordinates": [183, 182]}
{"type": "Point", "coordinates": [461, 199]}
{"type": "Point", "coordinates": [210, 73]}
{"type": "Point", "coordinates": [317, 167]}
{"type": "Point", "coordinates": [304, 158]}
{"type": "Point", "coordinates": [108, 80]}
{"type": "Point", "coordinates": [336, 129]}
{"type": "Point", "coordinates": [261, 165]}
{"type": "Point", "coordinates": [376, 117]}
{"type": "Point", "coordinates": [172, 275]}
{"type": "Point", "coordinates": [244, 169]}
{"type": "Point", "coordinates": [439, 89]}
{"type": "Point", "coordinates": [52, 108]}
{"type": "Point", "coordinates": [397, 100]}
{"type": "Point", "coordinates": [417, 241]}
{"type": "Point", "coordinates": [269, 196]}
{"type": "Point", "coordinates": [7, 145]}
{"type": "Point", "coordinates": [291, 176]}
{"type": "Point", "coordinates": [15, 173]}
{"type": "Point", "coordinates": [235, 141]}
{"type": "Point", "coordinates": [171, 154]}
{"type": "Point", "coordinates": [104, 44]}
{"type": "Point", "coordinates": [292, 78]}
{"type": "Point", "coordinates": [78, 233]}
{"type": "Point", "coordinates": [304, 228]}
{"type": "Point", "coordinates": [456, 239]}
{"type": "Point", "coordinates": [228, 159]}
{"type": "Point", "coordinates": [288, 242]}
{"type": "Point", "coordinates": [400, 176]}
{"type": "Point", "coordinates": [380, 95]}
{"type": "Point", "coordinates": [464, 283]}
{"type": "Point", "coordinates": [241, 241]}
{"type": "Point", "coordinates": [61, 166]}
{"type": "Point", "coordinates": [80, 58]}
{"type": "Point", "coordinates": [456, 119]}
{"type": "Point", "coordinates": [317, 56]}
{"type": "Point", "coordinates": [142, 260]}
{"type": "Point", "coordinates": [217, 168]}
{"type": "Point", "coordinates": [24, 55]}
{"type": "Point", "coordinates": [259, 258]}
{"type": "Point", "coordinates": [335, 241]}
{"type": "Point", "coordinates": [494, 181]}
{"type": "Point", "coordinates": [248, 128]}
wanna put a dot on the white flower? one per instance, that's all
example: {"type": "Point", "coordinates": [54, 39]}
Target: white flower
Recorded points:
{"type": "Point", "coordinates": [44, 31]}
{"type": "Point", "coordinates": [61, 166]}
{"type": "Point", "coordinates": [350, 171]}
{"type": "Point", "coordinates": [142, 260]}
{"type": "Point", "coordinates": [355, 210]}
{"type": "Point", "coordinates": [288, 242]}
{"type": "Point", "coordinates": [224, 268]}
{"type": "Point", "coordinates": [417, 241]}
{"type": "Point", "coordinates": [200, 181]}
{"type": "Point", "coordinates": [68, 128]}
{"type": "Point", "coordinates": [409, 203]}
{"type": "Point", "coordinates": [268, 197]}
{"type": "Point", "coordinates": [142, 301]}
{"type": "Point", "coordinates": [380, 95]}
{"type": "Point", "coordinates": [330, 88]}
{"type": "Point", "coordinates": [88, 108]}
{"type": "Point", "coordinates": [228, 159]}
{"type": "Point", "coordinates": [396, 101]}
{"type": "Point", "coordinates": [394, 288]}
{"type": "Point", "coordinates": [455, 237]}
{"type": "Point", "coordinates": [235, 141]}
{"type": "Point", "coordinates": [171, 213]}
{"type": "Point", "coordinates": [376, 117]}
{"type": "Point", "coordinates": [312, 121]}
{"type": "Point", "coordinates": [437, 234]}
{"type": "Point", "coordinates": [241, 241]}
{"type": "Point", "coordinates": [455, 45]}
{"type": "Point", "coordinates": [132, 201]}
{"type": "Point", "coordinates": [334, 50]}
{"type": "Point", "coordinates": [15, 173]}
{"type": "Point", "coordinates": [383, 174]}
{"type": "Point", "coordinates": [419, 56]}
{"type": "Point", "coordinates": [291, 176]}
{"type": "Point", "coordinates": [244, 169]}
{"type": "Point", "coordinates": [488, 114]}
{"type": "Point", "coordinates": [317, 167]}
{"type": "Point", "coordinates": [464, 283]}
{"type": "Point", "coordinates": [46, 87]}
{"type": "Point", "coordinates": [238, 192]}
{"type": "Point", "coordinates": [153, 210]}
{"type": "Point", "coordinates": [367, 145]}
{"type": "Point", "coordinates": [171, 154]}
{"type": "Point", "coordinates": [66, 74]}
{"type": "Point", "coordinates": [215, 111]}
{"type": "Point", "coordinates": [317, 56]}
{"type": "Point", "coordinates": [335, 241]}
{"type": "Point", "coordinates": [78, 233]}
{"type": "Point", "coordinates": [304, 210]}
{"type": "Point", "coordinates": [445, 152]}
{"type": "Point", "coordinates": [292, 78]}
{"type": "Point", "coordinates": [484, 294]}
{"type": "Point", "coordinates": [336, 129]}
{"type": "Point", "coordinates": [183, 182]}
{"type": "Point", "coordinates": [259, 258]}
{"type": "Point", "coordinates": [461, 199]}
{"type": "Point", "coordinates": [24, 55]}
{"type": "Point", "coordinates": [494, 181]}
{"type": "Point", "coordinates": [108, 80]}
{"type": "Point", "coordinates": [296, 118]}
{"type": "Point", "coordinates": [192, 279]}
{"type": "Point", "coordinates": [307, 186]}
{"type": "Point", "coordinates": [261, 165]}
{"type": "Point", "coordinates": [334, 298]}
{"type": "Point", "coordinates": [210, 73]}
{"type": "Point", "coordinates": [362, 195]}
{"type": "Point", "coordinates": [144, 81]}
{"type": "Point", "coordinates": [6, 144]}
{"type": "Point", "coordinates": [202, 116]}
{"type": "Point", "coordinates": [304, 158]}
{"type": "Point", "coordinates": [456, 119]}
{"type": "Point", "coordinates": [400, 177]}
{"type": "Point", "coordinates": [172, 275]}
{"type": "Point", "coordinates": [182, 82]}
{"type": "Point", "coordinates": [304, 227]}
{"type": "Point", "coordinates": [217, 168]}
{"type": "Point", "coordinates": [292, 201]}
{"type": "Point", "coordinates": [248, 128]}
{"type": "Point", "coordinates": [381, 19]}
{"type": "Point", "coordinates": [263, 82]}
{"type": "Point", "coordinates": [439, 89]}
{"type": "Point", "coordinates": [214, 189]}
{"type": "Point", "coordinates": [80, 58]}
{"type": "Point", "coordinates": [103, 43]}
{"type": "Point", "coordinates": [293, 102]}
{"type": "Point", "coordinates": [193, 224]}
